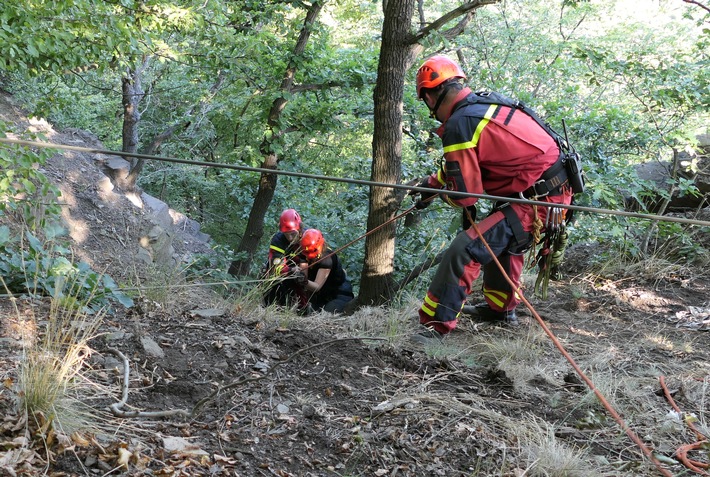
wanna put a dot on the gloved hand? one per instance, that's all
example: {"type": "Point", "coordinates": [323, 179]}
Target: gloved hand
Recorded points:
{"type": "Point", "coordinates": [425, 198]}
{"type": "Point", "coordinates": [279, 267]}
{"type": "Point", "coordinates": [300, 276]}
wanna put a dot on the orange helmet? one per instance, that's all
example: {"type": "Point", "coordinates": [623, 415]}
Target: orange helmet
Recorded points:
{"type": "Point", "coordinates": [435, 71]}
{"type": "Point", "coordinates": [312, 244]}
{"type": "Point", "coordinates": [290, 221]}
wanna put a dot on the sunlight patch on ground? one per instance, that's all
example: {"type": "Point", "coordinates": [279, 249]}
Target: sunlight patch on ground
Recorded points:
{"type": "Point", "coordinates": [592, 334]}
{"type": "Point", "coordinates": [661, 341]}
{"type": "Point", "coordinates": [78, 228]}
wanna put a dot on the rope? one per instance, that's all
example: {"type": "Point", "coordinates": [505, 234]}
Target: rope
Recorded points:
{"type": "Point", "coordinates": [517, 289]}
{"type": "Point", "coordinates": [682, 451]}
{"type": "Point", "coordinates": [622, 213]}
{"type": "Point", "coordinates": [619, 420]}
{"type": "Point", "coordinates": [364, 235]}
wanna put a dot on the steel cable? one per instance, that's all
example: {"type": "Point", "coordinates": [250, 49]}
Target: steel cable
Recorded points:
{"type": "Point", "coordinates": [261, 170]}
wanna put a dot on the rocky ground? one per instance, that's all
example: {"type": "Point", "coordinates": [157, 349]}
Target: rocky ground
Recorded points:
{"type": "Point", "coordinates": [244, 391]}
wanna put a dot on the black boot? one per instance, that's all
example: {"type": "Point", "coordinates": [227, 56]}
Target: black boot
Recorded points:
{"type": "Point", "coordinates": [483, 312]}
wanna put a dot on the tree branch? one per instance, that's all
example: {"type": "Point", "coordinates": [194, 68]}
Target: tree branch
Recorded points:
{"type": "Point", "coordinates": [116, 408]}
{"type": "Point", "coordinates": [465, 9]}
{"type": "Point", "coordinates": [418, 270]}
{"type": "Point", "coordinates": [695, 2]}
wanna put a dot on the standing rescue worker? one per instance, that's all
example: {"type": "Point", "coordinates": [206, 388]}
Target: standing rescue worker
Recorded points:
{"type": "Point", "coordinates": [282, 264]}
{"type": "Point", "coordinates": [489, 148]}
{"type": "Point", "coordinates": [328, 286]}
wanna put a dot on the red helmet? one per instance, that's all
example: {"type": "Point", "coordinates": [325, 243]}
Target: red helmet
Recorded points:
{"type": "Point", "coordinates": [312, 244]}
{"type": "Point", "coordinates": [435, 71]}
{"type": "Point", "coordinates": [290, 221]}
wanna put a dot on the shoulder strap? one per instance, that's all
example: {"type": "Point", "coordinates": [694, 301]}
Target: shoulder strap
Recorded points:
{"type": "Point", "coordinates": [490, 97]}
{"type": "Point", "coordinates": [570, 158]}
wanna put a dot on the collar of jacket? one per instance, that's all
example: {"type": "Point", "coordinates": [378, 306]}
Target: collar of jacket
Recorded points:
{"type": "Point", "coordinates": [454, 105]}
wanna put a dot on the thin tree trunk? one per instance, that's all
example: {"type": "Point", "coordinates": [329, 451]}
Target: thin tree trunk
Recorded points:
{"type": "Point", "coordinates": [398, 52]}
{"type": "Point", "coordinates": [131, 95]}
{"type": "Point", "coordinates": [267, 183]}
{"type": "Point", "coordinates": [376, 282]}
{"type": "Point", "coordinates": [137, 164]}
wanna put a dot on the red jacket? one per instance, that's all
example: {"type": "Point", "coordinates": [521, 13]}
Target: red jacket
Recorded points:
{"type": "Point", "coordinates": [491, 149]}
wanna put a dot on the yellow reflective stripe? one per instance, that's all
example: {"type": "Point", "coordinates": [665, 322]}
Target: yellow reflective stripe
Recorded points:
{"type": "Point", "coordinates": [277, 249]}
{"type": "Point", "coordinates": [429, 307]}
{"type": "Point", "coordinates": [494, 299]}
{"type": "Point", "coordinates": [497, 297]}
{"type": "Point", "coordinates": [476, 134]}
{"type": "Point", "coordinates": [441, 176]}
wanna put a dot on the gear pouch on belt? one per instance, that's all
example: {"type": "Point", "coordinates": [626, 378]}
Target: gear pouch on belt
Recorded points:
{"type": "Point", "coordinates": [575, 174]}
{"type": "Point", "coordinates": [454, 178]}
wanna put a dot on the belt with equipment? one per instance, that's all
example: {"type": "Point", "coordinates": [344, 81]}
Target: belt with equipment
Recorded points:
{"type": "Point", "coordinates": [550, 183]}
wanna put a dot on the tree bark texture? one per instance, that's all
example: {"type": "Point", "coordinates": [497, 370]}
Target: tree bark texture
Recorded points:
{"type": "Point", "coordinates": [395, 59]}
{"type": "Point", "coordinates": [131, 96]}
{"type": "Point", "coordinates": [255, 224]}
{"type": "Point", "coordinates": [400, 48]}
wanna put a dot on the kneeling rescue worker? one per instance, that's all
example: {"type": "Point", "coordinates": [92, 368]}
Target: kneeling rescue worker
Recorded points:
{"type": "Point", "coordinates": [281, 267]}
{"type": "Point", "coordinates": [326, 282]}
{"type": "Point", "coordinates": [492, 145]}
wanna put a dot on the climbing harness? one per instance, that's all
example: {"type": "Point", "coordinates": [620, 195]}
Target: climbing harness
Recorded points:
{"type": "Point", "coordinates": [568, 168]}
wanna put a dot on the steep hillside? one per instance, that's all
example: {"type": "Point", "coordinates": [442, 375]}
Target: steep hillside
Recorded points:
{"type": "Point", "coordinates": [217, 385]}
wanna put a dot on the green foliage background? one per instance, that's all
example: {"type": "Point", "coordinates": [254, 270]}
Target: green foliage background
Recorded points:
{"type": "Point", "coordinates": [630, 85]}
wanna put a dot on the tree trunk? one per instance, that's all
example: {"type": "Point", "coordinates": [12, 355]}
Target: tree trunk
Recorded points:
{"type": "Point", "coordinates": [255, 224]}
{"type": "Point", "coordinates": [267, 183]}
{"type": "Point", "coordinates": [398, 52]}
{"type": "Point", "coordinates": [377, 281]}
{"type": "Point", "coordinates": [131, 96]}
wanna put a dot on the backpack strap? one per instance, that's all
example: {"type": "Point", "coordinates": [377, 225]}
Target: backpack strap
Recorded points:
{"type": "Point", "coordinates": [568, 169]}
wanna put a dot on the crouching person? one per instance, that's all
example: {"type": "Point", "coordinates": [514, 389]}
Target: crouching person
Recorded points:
{"type": "Point", "coordinates": [328, 286]}
{"type": "Point", "coordinates": [284, 277]}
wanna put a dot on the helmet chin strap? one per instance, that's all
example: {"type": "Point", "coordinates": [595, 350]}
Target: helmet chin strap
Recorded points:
{"type": "Point", "coordinates": [439, 100]}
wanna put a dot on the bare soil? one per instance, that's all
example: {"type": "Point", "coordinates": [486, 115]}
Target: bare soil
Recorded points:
{"type": "Point", "coordinates": [283, 395]}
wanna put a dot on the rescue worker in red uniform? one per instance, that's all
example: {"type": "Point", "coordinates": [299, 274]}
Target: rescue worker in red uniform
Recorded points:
{"type": "Point", "coordinates": [327, 283]}
{"type": "Point", "coordinates": [282, 263]}
{"type": "Point", "coordinates": [497, 150]}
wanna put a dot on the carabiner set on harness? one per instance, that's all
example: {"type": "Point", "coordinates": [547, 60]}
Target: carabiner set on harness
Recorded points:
{"type": "Point", "coordinates": [551, 255]}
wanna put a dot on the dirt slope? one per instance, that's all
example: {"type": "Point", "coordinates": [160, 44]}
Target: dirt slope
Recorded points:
{"type": "Point", "coordinates": [285, 395]}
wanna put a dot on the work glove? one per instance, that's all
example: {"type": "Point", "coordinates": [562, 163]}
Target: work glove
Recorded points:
{"type": "Point", "coordinates": [300, 276]}
{"type": "Point", "coordinates": [425, 198]}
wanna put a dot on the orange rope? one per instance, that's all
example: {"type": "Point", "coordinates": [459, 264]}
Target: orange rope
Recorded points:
{"type": "Point", "coordinates": [683, 450]}
{"type": "Point", "coordinates": [396, 217]}
{"type": "Point", "coordinates": [632, 435]}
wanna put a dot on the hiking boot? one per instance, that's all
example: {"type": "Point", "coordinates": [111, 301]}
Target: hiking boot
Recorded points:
{"type": "Point", "coordinates": [427, 336]}
{"type": "Point", "coordinates": [483, 312]}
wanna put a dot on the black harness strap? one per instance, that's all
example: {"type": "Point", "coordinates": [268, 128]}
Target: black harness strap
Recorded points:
{"type": "Point", "coordinates": [568, 169]}
{"type": "Point", "coordinates": [522, 238]}
{"type": "Point", "coordinates": [549, 183]}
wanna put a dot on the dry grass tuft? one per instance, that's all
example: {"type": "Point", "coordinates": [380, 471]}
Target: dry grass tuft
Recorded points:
{"type": "Point", "coordinates": [53, 387]}
{"type": "Point", "coordinates": [547, 456]}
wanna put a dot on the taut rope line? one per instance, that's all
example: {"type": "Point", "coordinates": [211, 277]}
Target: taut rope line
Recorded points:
{"type": "Point", "coordinates": [623, 213]}
{"type": "Point", "coordinates": [617, 417]}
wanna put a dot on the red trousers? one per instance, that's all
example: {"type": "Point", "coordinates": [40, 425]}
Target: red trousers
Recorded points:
{"type": "Point", "coordinates": [462, 262]}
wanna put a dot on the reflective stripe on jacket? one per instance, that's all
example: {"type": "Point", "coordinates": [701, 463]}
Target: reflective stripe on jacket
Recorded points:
{"type": "Point", "coordinates": [491, 149]}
